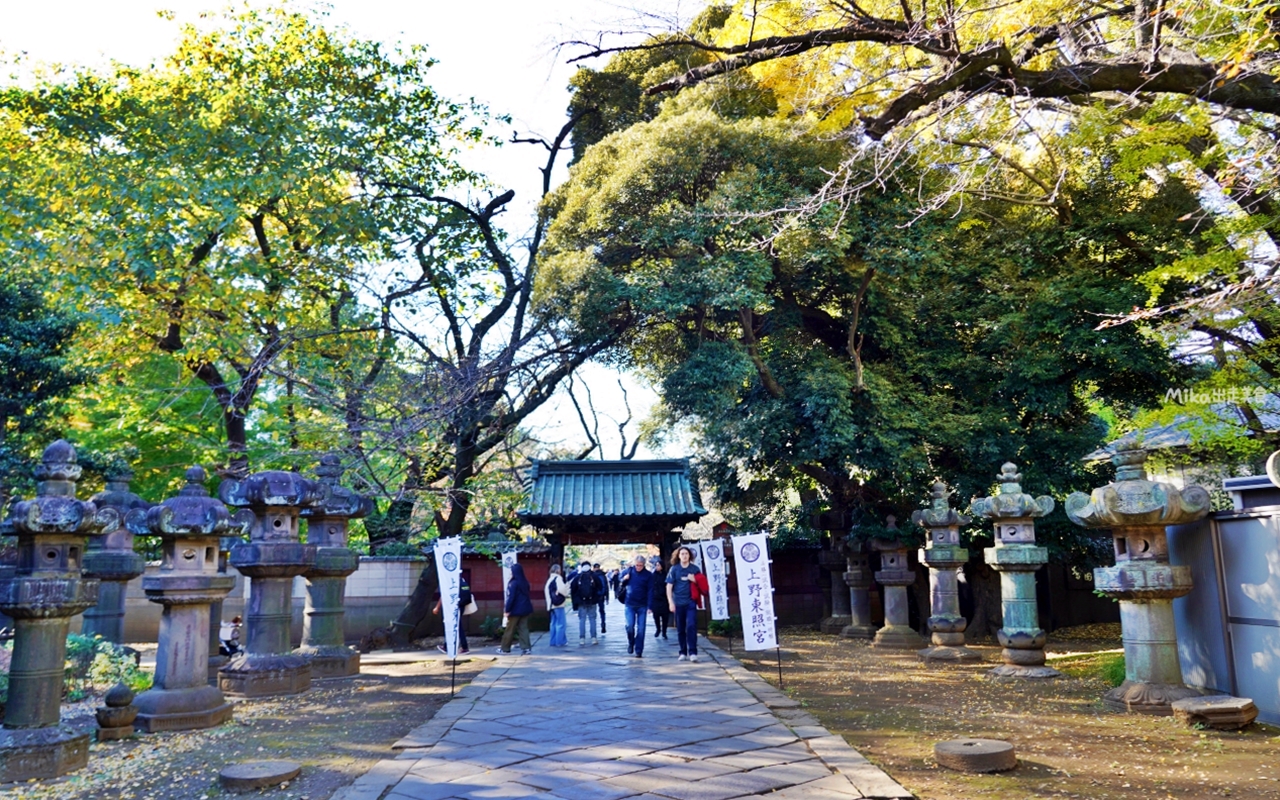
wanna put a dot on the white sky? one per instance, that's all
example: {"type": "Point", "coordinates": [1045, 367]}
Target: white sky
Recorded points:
{"type": "Point", "coordinates": [500, 52]}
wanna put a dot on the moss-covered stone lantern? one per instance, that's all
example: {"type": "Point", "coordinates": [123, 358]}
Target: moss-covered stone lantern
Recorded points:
{"type": "Point", "coordinates": [945, 558]}
{"type": "Point", "coordinates": [323, 639]}
{"type": "Point", "coordinates": [1136, 510]}
{"type": "Point", "coordinates": [187, 583]}
{"type": "Point", "coordinates": [45, 591]}
{"type": "Point", "coordinates": [1016, 557]}
{"type": "Point", "coordinates": [271, 559]}
{"type": "Point", "coordinates": [895, 576]}
{"type": "Point", "coordinates": [110, 558]}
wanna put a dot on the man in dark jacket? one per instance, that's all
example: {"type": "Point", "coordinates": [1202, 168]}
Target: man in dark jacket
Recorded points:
{"type": "Point", "coordinates": [639, 584]}
{"type": "Point", "coordinates": [603, 580]}
{"type": "Point", "coordinates": [584, 592]}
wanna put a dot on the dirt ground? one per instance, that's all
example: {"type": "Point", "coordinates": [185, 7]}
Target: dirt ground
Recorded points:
{"type": "Point", "coordinates": [893, 709]}
{"type": "Point", "coordinates": [337, 730]}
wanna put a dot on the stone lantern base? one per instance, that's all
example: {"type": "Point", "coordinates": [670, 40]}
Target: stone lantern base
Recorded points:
{"type": "Point", "coordinates": [897, 637]}
{"type": "Point", "coordinates": [1154, 699]}
{"type": "Point", "coordinates": [330, 662]}
{"type": "Point", "coordinates": [181, 709]}
{"type": "Point", "coordinates": [835, 625]}
{"type": "Point", "coordinates": [859, 632]}
{"type": "Point", "coordinates": [41, 752]}
{"type": "Point", "coordinates": [948, 654]}
{"type": "Point", "coordinates": [250, 675]}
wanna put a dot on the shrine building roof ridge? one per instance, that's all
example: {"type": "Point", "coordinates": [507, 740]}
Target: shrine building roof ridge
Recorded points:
{"type": "Point", "coordinates": [655, 488]}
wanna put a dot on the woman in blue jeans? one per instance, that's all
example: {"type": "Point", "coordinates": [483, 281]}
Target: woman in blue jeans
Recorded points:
{"type": "Point", "coordinates": [680, 578]}
{"type": "Point", "coordinates": [556, 585]}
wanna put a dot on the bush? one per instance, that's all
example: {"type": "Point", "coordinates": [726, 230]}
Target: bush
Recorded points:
{"type": "Point", "coordinates": [725, 627]}
{"type": "Point", "coordinates": [491, 628]}
{"type": "Point", "coordinates": [94, 664]}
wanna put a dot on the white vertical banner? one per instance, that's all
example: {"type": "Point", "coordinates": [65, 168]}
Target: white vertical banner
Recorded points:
{"type": "Point", "coordinates": [508, 561]}
{"type": "Point", "coordinates": [449, 568]}
{"type": "Point", "coordinates": [695, 555]}
{"type": "Point", "coordinates": [755, 591]}
{"type": "Point", "coordinates": [713, 565]}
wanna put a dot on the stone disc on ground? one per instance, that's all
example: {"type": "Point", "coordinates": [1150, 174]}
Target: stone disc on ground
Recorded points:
{"type": "Point", "coordinates": [250, 775]}
{"type": "Point", "coordinates": [975, 755]}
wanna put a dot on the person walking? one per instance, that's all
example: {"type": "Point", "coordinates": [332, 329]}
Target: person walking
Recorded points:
{"type": "Point", "coordinates": [603, 580]}
{"type": "Point", "coordinates": [519, 607]}
{"type": "Point", "coordinates": [584, 593]}
{"type": "Point", "coordinates": [658, 599]}
{"type": "Point", "coordinates": [638, 584]}
{"type": "Point", "coordinates": [557, 594]}
{"type": "Point", "coordinates": [680, 580]}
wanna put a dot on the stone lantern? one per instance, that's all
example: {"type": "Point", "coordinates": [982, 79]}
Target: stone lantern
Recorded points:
{"type": "Point", "coordinates": [111, 560]}
{"type": "Point", "coordinates": [271, 559]}
{"type": "Point", "coordinates": [46, 590]}
{"type": "Point", "coordinates": [858, 577]}
{"type": "Point", "coordinates": [323, 634]}
{"type": "Point", "coordinates": [1016, 557]}
{"type": "Point", "coordinates": [945, 557]}
{"type": "Point", "coordinates": [186, 585]}
{"type": "Point", "coordinates": [834, 562]}
{"type": "Point", "coordinates": [895, 576]}
{"type": "Point", "coordinates": [1136, 510]}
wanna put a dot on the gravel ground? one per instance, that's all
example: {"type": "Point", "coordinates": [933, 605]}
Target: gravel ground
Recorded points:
{"type": "Point", "coordinates": [337, 731]}
{"type": "Point", "coordinates": [893, 709]}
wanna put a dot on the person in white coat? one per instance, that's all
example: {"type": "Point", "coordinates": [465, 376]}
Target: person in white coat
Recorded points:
{"type": "Point", "coordinates": [556, 593]}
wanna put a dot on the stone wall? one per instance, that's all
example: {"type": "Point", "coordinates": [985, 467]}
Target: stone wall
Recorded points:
{"type": "Point", "coordinates": [376, 593]}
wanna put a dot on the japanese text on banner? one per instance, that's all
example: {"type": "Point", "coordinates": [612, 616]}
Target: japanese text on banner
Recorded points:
{"type": "Point", "coordinates": [755, 591]}
{"type": "Point", "coordinates": [449, 569]}
{"type": "Point", "coordinates": [713, 564]}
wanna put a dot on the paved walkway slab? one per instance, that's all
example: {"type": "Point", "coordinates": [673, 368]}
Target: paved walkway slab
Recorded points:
{"type": "Point", "coordinates": [588, 723]}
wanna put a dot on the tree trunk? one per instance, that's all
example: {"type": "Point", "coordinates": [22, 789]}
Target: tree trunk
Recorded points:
{"type": "Point", "coordinates": [416, 620]}
{"type": "Point", "coordinates": [237, 443]}
{"type": "Point", "coordinates": [987, 616]}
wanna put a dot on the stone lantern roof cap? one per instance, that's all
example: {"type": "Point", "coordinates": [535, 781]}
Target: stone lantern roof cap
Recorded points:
{"type": "Point", "coordinates": [1134, 500]}
{"type": "Point", "coordinates": [1011, 502]}
{"type": "Point", "coordinates": [58, 463]}
{"type": "Point", "coordinates": [191, 513]}
{"type": "Point", "coordinates": [340, 501]}
{"type": "Point", "coordinates": [117, 494]}
{"type": "Point", "coordinates": [55, 508]}
{"type": "Point", "coordinates": [940, 514]}
{"type": "Point", "coordinates": [272, 488]}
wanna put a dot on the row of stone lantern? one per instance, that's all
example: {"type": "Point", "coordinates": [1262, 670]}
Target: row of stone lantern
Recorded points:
{"type": "Point", "coordinates": [1135, 509]}
{"type": "Point", "coordinates": [60, 571]}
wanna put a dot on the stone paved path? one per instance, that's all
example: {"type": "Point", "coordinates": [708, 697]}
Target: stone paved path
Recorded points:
{"type": "Point", "coordinates": [593, 723]}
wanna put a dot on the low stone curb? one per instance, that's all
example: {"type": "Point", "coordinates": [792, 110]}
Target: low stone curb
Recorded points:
{"type": "Point", "coordinates": [832, 750]}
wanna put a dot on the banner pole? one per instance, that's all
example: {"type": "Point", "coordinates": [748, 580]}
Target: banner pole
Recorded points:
{"type": "Point", "coordinates": [779, 666]}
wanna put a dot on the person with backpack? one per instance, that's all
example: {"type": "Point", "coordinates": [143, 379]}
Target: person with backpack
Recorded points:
{"type": "Point", "coordinates": [518, 609]}
{"type": "Point", "coordinates": [557, 594]}
{"type": "Point", "coordinates": [681, 579]}
{"type": "Point", "coordinates": [638, 583]}
{"type": "Point", "coordinates": [584, 592]}
{"type": "Point", "coordinates": [658, 599]}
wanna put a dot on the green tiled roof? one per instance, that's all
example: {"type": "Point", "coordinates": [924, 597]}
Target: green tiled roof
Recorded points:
{"type": "Point", "coordinates": [619, 490]}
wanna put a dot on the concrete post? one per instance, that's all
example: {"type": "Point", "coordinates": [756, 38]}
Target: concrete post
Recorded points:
{"type": "Point", "coordinates": [1016, 557]}
{"type": "Point", "coordinates": [188, 582]}
{"type": "Point", "coordinates": [45, 591]}
{"type": "Point", "coordinates": [271, 559]}
{"type": "Point", "coordinates": [323, 639]}
{"type": "Point", "coordinates": [1136, 510]}
{"type": "Point", "coordinates": [945, 557]}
